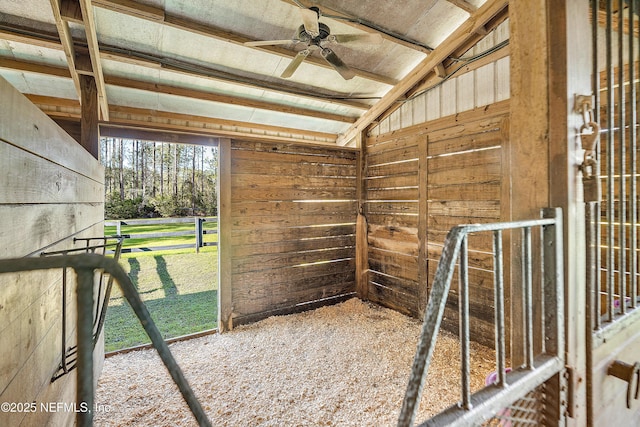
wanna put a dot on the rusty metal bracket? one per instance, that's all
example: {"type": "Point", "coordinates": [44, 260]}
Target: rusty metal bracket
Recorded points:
{"type": "Point", "coordinates": [569, 387]}
{"type": "Point", "coordinates": [626, 372]}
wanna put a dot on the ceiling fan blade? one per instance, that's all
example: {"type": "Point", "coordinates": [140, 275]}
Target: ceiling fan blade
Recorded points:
{"type": "Point", "coordinates": [310, 21]}
{"type": "Point", "coordinates": [371, 38]}
{"type": "Point", "coordinates": [329, 56]}
{"type": "Point", "coordinates": [270, 42]}
{"type": "Point", "coordinates": [295, 63]}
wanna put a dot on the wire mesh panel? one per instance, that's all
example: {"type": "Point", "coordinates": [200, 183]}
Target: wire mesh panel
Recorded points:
{"type": "Point", "coordinates": [528, 411]}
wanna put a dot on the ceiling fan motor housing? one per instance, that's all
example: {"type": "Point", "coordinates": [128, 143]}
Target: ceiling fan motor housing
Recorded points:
{"type": "Point", "coordinates": [306, 37]}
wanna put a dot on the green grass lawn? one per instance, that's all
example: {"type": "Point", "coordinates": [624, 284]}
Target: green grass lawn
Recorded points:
{"type": "Point", "coordinates": [179, 288]}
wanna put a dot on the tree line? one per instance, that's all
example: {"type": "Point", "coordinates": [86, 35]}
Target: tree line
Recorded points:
{"type": "Point", "coordinates": [150, 179]}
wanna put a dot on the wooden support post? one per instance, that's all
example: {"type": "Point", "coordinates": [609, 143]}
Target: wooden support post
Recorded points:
{"type": "Point", "coordinates": [570, 67]}
{"type": "Point", "coordinates": [423, 217]}
{"type": "Point", "coordinates": [529, 138]}
{"type": "Point", "coordinates": [89, 131]}
{"type": "Point", "coordinates": [362, 245]}
{"type": "Point", "coordinates": [225, 285]}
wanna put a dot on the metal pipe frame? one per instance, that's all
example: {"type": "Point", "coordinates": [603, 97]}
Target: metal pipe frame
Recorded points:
{"type": "Point", "coordinates": [610, 162]}
{"type": "Point", "coordinates": [633, 155]}
{"type": "Point", "coordinates": [68, 359]}
{"type": "Point", "coordinates": [528, 296]}
{"type": "Point", "coordinates": [622, 216]}
{"type": "Point", "coordinates": [498, 278]}
{"type": "Point", "coordinates": [544, 366]}
{"type": "Point", "coordinates": [85, 265]}
{"type": "Point", "coordinates": [464, 323]}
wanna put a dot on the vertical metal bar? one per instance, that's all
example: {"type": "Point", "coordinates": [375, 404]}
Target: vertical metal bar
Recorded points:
{"type": "Point", "coordinates": [84, 379]}
{"type": "Point", "coordinates": [592, 219]}
{"type": "Point", "coordinates": [622, 214]}
{"type": "Point", "coordinates": [198, 225]}
{"type": "Point", "coordinates": [464, 324]}
{"type": "Point", "coordinates": [542, 305]}
{"type": "Point", "coordinates": [498, 281]}
{"type": "Point", "coordinates": [528, 296]}
{"type": "Point", "coordinates": [592, 297]}
{"type": "Point", "coordinates": [610, 162]}
{"type": "Point", "coordinates": [64, 320]}
{"type": "Point", "coordinates": [430, 326]}
{"type": "Point", "coordinates": [633, 212]}
{"type": "Point", "coordinates": [597, 280]}
{"type": "Point", "coordinates": [554, 282]}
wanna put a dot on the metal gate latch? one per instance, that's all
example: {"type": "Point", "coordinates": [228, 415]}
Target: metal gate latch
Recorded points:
{"type": "Point", "coordinates": [626, 372]}
{"type": "Point", "coordinates": [589, 134]}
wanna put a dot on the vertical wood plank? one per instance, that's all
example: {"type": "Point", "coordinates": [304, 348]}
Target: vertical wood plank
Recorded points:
{"type": "Point", "coordinates": [570, 74]}
{"type": "Point", "coordinates": [89, 132]}
{"type": "Point", "coordinates": [505, 216]}
{"type": "Point", "coordinates": [423, 216]}
{"type": "Point", "coordinates": [529, 136]}
{"type": "Point", "coordinates": [225, 308]}
{"type": "Point", "coordinates": [362, 246]}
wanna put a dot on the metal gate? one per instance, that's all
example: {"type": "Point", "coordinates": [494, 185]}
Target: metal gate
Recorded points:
{"type": "Point", "coordinates": [610, 175]}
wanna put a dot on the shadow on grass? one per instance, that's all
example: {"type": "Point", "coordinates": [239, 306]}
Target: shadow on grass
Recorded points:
{"type": "Point", "coordinates": [168, 285]}
{"type": "Point", "coordinates": [174, 315]}
{"type": "Point", "coordinates": [134, 270]}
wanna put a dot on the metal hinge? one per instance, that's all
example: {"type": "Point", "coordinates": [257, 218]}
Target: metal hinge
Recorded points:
{"type": "Point", "coordinates": [569, 392]}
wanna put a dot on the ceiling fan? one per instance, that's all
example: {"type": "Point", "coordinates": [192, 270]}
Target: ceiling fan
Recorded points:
{"type": "Point", "coordinates": [317, 36]}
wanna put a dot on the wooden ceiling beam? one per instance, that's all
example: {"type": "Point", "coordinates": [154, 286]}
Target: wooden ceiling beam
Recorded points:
{"type": "Point", "coordinates": [450, 45]}
{"type": "Point", "coordinates": [464, 5]}
{"type": "Point", "coordinates": [223, 35]}
{"type": "Point", "coordinates": [33, 40]}
{"type": "Point", "coordinates": [461, 50]}
{"type": "Point", "coordinates": [226, 99]}
{"type": "Point", "coordinates": [46, 42]}
{"type": "Point", "coordinates": [32, 67]}
{"type": "Point", "coordinates": [165, 120]}
{"type": "Point", "coordinates": [67, 43]}
{"type": "Point", "coordinates": [94, 53]}
{"type": "Point", "coordinates": [50, 70]}
{"type": "Point", "coordinates": [127, 7]}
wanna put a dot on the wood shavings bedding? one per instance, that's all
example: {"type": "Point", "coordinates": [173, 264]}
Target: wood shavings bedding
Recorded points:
{"type": "Point", "coordinates": [341, 365]}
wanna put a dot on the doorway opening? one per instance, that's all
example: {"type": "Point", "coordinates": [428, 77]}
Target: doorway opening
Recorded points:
{"type": "Point", "coordinates": [161, 198]}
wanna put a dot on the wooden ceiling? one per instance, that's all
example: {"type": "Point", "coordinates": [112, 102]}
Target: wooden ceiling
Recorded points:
{"type": "Point", "coordinates": [183, 65]}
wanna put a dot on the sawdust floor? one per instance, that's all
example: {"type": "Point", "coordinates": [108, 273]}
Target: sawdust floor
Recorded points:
{"type": "Point", "coordinates": [342, 365]}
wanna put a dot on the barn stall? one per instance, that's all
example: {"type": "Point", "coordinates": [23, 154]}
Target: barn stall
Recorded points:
{"type": "Point", "coordinates": [339, 178]}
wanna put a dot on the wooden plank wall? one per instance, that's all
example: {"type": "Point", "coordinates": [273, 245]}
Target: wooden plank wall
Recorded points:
{"type": "Point", "coordinates": [293, 213]}
{"type": "Point", "coordinates": [422, 181]}
{"type": "Point", "coordinates": [52, 190]}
